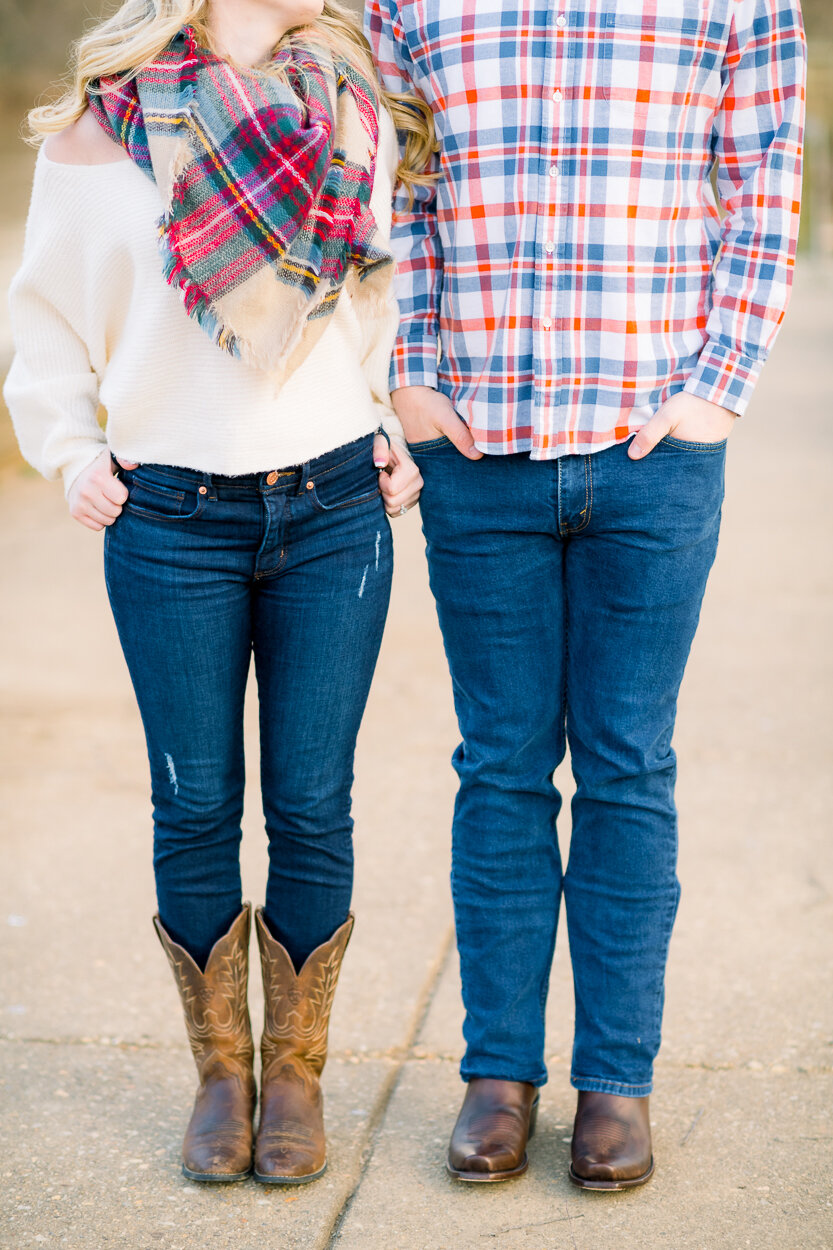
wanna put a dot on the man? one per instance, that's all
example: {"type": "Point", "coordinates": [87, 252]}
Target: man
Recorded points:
{"type": "Point", "coordinates": [599, 333]}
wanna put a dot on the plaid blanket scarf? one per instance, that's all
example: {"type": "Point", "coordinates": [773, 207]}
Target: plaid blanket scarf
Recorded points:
{"type": "Point", "coordinates": [266, 182]}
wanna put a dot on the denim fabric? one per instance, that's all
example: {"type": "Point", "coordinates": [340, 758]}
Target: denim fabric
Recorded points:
{"type": "Point", "coordinates": [568, 594]}
{"type": "Point", "coordinates": [201, 571]}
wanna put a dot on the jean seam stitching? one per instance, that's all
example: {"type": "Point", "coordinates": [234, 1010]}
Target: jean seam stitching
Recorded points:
{"type": "Point", "coordinates": [332, 468]}
{"type": "Point", "coordinates": [689, 446]}
{"type": "Point", "coordinates": [608, 1080]}
{"type": "Point", "coordinates": [157, 516]}
{"type": "Point", "coordinates": [340, 507]}
{"type": "Point", "coordinates": [588, 500]}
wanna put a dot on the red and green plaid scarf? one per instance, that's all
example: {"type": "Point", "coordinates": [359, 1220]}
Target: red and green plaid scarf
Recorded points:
{"type": "Point", "coordinates": [266, 183]}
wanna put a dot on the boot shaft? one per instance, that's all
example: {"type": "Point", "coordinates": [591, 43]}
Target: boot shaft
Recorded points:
{"type": "Point", "coordinates": [298, 1004]}
{"type": "Point", "coordinates": [215, 1001]}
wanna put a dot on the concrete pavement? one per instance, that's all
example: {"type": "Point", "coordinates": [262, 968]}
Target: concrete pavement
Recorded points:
{"type": "Point", "coordinates": [95, 1077]}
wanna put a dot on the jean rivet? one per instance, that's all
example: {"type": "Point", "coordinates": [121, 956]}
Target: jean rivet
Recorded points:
{"type": "Point", "coordinates": [203, 490]}
{"type": "Point", "coordinates": [310, 485]}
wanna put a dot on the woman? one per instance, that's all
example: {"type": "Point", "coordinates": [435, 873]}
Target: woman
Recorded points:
{"type": "Point", "coordinates": [238, 481]}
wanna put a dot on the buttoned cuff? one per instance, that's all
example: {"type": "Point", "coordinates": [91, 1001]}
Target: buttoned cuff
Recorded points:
{"type": "Point", "coordinates": [725, 377]}
{"type": "Point", "coordinates": [414, 361]}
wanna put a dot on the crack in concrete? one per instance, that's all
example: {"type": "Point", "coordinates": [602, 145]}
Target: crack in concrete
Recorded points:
{"type": "Point", "coordinates": [389, 1087]}
{"type": "Point", "coordinates": [515, 1228]}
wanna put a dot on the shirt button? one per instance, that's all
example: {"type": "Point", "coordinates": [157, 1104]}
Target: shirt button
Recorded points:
{"type": "Point", "coordinates": [547, 323]}
{"type": "Point", "coordinates": [557, 96]}
{"type": "Point", "coordinates": [561, 21]}
{"type": "Point", "coordinates": [549, 247]}
{"type": "Point", "coordinates": [553, 171]}
{"type": "Point", "coordinates": [271, 478]}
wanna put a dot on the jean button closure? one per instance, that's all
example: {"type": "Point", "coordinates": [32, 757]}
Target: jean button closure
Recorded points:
{"type": "Point", "coordinates": [271, 478]}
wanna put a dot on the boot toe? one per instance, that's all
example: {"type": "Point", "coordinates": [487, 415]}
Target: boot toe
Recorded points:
{"type": "Point", "coordinates": [476, 1163]}
{"type": "Point", "coordinates": [217, 1162]}
{"type": "Point", "coordinates": [588, 1169]}
{"type": "Point", "coordinates": [288, 1168]}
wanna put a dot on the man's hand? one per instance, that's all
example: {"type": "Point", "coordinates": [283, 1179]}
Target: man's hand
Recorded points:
{"type": "Point", "coordinates": [426, 414]}
{"type": "Point", "coordinates": [685, 416]}
{"type": "Point", "coordinates": [96, 497]}
{"type": "Point", "coordinates": [400, 480]}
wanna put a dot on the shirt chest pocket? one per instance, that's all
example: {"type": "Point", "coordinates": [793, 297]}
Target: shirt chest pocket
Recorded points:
{"type": "Point", "coordinates": [659, 60]}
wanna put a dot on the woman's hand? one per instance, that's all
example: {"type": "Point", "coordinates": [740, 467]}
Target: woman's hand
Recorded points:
{"type": "Point", "coordinates": [96, 497]}
{"type": "Point", "coordinates": [400, 480]}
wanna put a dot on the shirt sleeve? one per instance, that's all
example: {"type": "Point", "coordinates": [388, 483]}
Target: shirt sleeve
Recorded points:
{"type": "Point", "coordinates": [415, 235]}
{"type": "Point", "coordinates": [758, 143]}
{"type": "Point", "coordinates": [51, 390]}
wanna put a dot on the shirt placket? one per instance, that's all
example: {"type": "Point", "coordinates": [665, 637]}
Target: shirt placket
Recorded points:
{"type": "Point", "coordinates": [549, 316]}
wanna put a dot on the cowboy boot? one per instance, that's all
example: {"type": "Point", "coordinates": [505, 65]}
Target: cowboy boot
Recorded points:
{"type": "Point", "coordinates": [290, 1147]}
{"type": "Point", "coordinates": [495, 1123]}
{"type": "Point", "coordinates": [611, 1142]}
{"type": "Point", "coordinates": [218, 1140]}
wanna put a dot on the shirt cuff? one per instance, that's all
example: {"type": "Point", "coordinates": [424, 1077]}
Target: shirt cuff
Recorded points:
{"type": "Point", "coordinates": [414, 361]}
{"type": "Point", "coordinates": [725, 377]}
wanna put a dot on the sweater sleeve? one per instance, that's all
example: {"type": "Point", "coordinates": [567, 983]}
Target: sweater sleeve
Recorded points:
{"type": "Point", "coordinates": [52, 390]}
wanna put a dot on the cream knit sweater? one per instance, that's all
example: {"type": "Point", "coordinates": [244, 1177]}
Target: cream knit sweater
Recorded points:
{"type": "Point", "coordinates": [95, 324]}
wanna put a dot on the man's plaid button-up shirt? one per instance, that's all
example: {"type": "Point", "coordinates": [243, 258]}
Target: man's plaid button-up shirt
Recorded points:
{"type": "Point", "coordinates": [572, 262]}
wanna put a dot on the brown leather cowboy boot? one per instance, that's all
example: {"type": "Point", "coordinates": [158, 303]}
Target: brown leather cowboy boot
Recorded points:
{"type": "Point", "coordinates": [218, 1141]}
{"type": "Point", "coordinates": [290, 1148]}
{"type": "Point", "coordinates": [496, 1121]}
{"type": "Point", "coordinates": [611, 1142]}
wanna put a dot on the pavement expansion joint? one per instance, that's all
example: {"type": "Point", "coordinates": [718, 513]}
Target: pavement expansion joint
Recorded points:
{"type": "Point", "coordinates": [391, 1082]}
{"type": "Point", "coordinates": [411, 1052]}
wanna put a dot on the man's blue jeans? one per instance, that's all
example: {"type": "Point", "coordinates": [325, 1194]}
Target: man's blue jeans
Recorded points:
{"type": "Point", "coordinates": [568, 594]}
{"type": "Point", "coordinates": [201, 571]}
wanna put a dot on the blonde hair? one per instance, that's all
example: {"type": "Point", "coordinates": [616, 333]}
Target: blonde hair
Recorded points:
{"type": "Point", "coordinates": [140, 29]}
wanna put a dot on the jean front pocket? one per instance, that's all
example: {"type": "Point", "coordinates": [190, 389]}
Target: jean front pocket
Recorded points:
{"type": "Point", "coordinates": [159, 500]}
{"type": "Point", "coordinates": [685, 444]}
{"type": "Point", "coordinates": [429, 444]}
{"type": "Point", "coordinates": [347, 485]}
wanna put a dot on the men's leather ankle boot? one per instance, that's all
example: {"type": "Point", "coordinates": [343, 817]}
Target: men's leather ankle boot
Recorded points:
{"type": "Point", "coordinates": [218, 1141]}
{"type": "Point", "coordinates": [291, 1147]}
{"type": "Point", "coordinates": [495, 1123]}
{"type": "Point", "coordinates": [611, 1142]}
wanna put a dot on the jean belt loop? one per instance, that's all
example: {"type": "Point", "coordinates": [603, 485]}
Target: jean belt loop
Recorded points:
{"type": "Point", "coordinates": [304, 475]}
{"type": "Point", "coordinates": [208, 483]}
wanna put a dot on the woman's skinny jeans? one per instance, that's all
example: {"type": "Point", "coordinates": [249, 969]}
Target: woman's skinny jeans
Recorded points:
{"type": "Point", "coordinates": [294, 565]}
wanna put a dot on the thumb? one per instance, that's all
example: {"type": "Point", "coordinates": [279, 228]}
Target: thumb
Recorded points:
{"type": "Point", "coordinates": [651, 433]}
{"type": "Point", "coordinates": [381, 452]}
{"type": "Point", "coordinates": [459, 434]}
{"type": "Point", "coordinates": [128, 464]}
